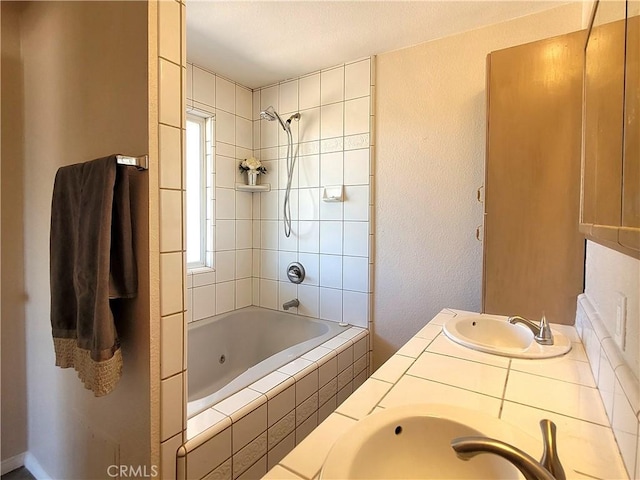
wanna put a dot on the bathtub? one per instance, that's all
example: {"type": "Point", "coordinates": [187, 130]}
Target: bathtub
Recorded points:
{"type": "Point", "coordinates": [231, 351]}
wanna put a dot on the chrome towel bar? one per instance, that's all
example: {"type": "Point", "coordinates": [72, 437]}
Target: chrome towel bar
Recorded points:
{"type": "Point", "coordinates": [141, 162]}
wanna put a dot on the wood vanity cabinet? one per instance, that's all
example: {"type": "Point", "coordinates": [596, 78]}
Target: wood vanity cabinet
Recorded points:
{"type": "Point", "coordinates": [610, 210]}
{"type": "Point", "coordinates": [533, 250]}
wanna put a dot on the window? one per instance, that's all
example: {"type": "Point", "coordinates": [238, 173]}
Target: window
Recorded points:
{"type": "Point", "coordinates": [196, 211]}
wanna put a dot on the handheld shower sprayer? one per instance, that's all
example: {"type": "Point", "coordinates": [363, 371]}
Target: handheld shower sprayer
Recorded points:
{"type": "Point", "coordinates": [270, 115]}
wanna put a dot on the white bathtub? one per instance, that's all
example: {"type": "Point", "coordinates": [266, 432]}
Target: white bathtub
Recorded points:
{"type": "Point", "coordinates": [231, 351]}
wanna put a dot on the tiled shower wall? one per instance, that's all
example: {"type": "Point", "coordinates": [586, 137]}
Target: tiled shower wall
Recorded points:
{"type": "Point", "coordinates": [333, 240]}
{"type": "Point", "coordinates": [226, 286]}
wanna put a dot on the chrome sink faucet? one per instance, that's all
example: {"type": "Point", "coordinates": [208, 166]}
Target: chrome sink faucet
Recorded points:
{"type": "Point", "coordinates": [542, 333]}
{"type": "Point", "coordinates": [290, 303]}
{"type": "Point", "coordinates": [549, 467]}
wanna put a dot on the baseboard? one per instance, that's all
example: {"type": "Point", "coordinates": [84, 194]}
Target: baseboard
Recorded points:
{"type": "Point", "coordinates": [35, 468]}
{"type": "Point", "coordinates": [10, 464]}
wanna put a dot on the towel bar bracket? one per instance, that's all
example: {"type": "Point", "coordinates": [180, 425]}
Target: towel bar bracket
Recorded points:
{"type": "Point", "coordinates": [141, 162]}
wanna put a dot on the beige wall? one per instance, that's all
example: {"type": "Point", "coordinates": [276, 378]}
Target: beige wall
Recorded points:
{"type": "Point", "coordinates": [14, 389]}
{"type": "Point", "coordinates": [430, 110]}
{"type": "Point", "coordinates": [85, 96]}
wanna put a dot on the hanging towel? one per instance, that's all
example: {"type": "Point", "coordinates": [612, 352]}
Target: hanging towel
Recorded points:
{"type": "Point", "coordinates": [92, 264]}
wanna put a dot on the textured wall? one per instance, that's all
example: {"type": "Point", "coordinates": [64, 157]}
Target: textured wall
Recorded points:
{"type": "Point", "coordinates": [85, 96]}
{"type": "Point", "coordinates": [14, 401]}
{"type": "Point", "coordinates": [429, 162]}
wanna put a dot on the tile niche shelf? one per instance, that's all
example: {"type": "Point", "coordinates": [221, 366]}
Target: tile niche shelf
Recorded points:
{"type": "Point", "coordinates": [264, 187]}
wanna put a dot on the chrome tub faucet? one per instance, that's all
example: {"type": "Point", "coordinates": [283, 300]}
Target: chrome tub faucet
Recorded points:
{"type": "Point", "coordinates": [549, 467]}
{"type": "Point", "coordinates": [290, 303]}
{"type": "Point", "coordinates": [542, 333]}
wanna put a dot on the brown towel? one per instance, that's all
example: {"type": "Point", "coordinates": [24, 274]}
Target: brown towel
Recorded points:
{"type": "Point", "coordinates": [92, 262]}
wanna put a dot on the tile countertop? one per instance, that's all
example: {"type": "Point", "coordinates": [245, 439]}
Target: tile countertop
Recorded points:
{"type": "Point", "coordinates": [430, 368]}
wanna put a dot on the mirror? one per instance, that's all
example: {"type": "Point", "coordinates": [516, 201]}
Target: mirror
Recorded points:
{"type": "Point", "coordinates": [610, 186]}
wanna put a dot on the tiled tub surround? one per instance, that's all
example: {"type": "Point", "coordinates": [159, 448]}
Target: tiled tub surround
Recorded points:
{"type": "Point", "coordinates": [230, 352]}
{"type": "Point", "coordinates": [249, 432]}
{"type": "Point", "coordinates": [430, 368]}
{"type": "Point", "coordinates": [618, 386]}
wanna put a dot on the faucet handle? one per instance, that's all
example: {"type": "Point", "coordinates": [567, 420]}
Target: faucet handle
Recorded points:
{"type": "Point", "coordinates": [550, 459]}
{"type": "Point", "coordinates": [545, 336]}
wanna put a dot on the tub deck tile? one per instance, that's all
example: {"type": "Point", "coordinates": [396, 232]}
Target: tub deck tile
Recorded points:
{"type": "Point", "coordinates": [317, 353]}
{"type": "Point", "coordinates": [240, 404]}
{"type": "Point", "coordinates": [269, 382]}
{"type": "Point", "coordinates": [292, 368]}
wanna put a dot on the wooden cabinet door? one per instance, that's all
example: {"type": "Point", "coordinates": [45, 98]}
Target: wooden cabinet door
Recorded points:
{"type": "Point", "coordinates": [533, 250]}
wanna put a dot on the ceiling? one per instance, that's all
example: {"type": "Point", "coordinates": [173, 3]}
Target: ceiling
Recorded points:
{"type": "Point", "coordinates": [258, 43]}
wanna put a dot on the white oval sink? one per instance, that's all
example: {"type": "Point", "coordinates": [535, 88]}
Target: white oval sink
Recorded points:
{"type": "Point", "coordinates": [492, 334]}
{"type": "Point", "coordinates": [414, 441]}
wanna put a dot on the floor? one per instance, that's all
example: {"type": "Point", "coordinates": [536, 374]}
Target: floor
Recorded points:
{"type": "Point", "coordinates": [18, 474]}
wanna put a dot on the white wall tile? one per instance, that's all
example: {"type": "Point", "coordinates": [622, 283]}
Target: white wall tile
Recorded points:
{"type": "Point", "coordinates": [356, 116]}
{"type": "Point", "coordinates": [212, 452]}
{"type": "Point", "coordinates": [309, 125]}
{"type": "Point", "coordinates": [225, 266]}
{"type": "Point", "coordinates": [269, 234]}
{"type": "Point", "coordinates": [170, 220]}
{"type": "Point", "coordinates": [169, 28]}
{"type": "Point", "coordinates": [288, 97]}
{"type": "Point", "coordinates": [357, 79]}
{"type": "Point", "coordinates": [189, 85]}
{"type": "Point", "coordinates": [269, 294]}
{"type": "Point", "coordinates": [331, 304]}
{"type": "Point", "coordinates": [331, 271]}
{"type": "Point", "coordinates": [356, 167]}
{"type": "Point", "coordinates": [243, 205]}
{"type": "Point", "coordinates": [309, 203]}
{"type": "Point", "coordinates": [332, 120]}
{"type": "Point", "coordinates": [170, 157]}
{"type": "Point", "coordinates": [356, 239]}
{"type": "Point", "coordinates": [309, 236]}
{"type": "Point", "coordinates": [249, 427]}
{"type": "Point", "coordinates": [290, 243]}
{"type": "Point", "coordinates": [332, 86]}
{"type": "Point", "coordinates": [269, 205]}
{"type": "Point", "coordinates": [225, 127]}
{"type": "Point", "coordinates": [171, 345]}
{"type": "Point", "coordinates": [309, 297]}
{"type": "Point", "coordinates": [309, 91]}
{"type": "Point", "coordinates": [331, 169]}
{"type": "Point", "coordinates": [171, 407]}
{"type": "Point", "coordinates": [356, 273]}
{"type": "Point", "coordinates": [293, 197]}
{"type": "Point", "coordinates": [311, 264]}
{"type": "Point", "coordinates": [308, 171]}
{"type": "Point", "coordinates": [225, 297]}
{"type": "Point", "coordinates": [356, 203]}
{"type": "Point", "coordinates": [202, 278]}
{"type": "Point", "coordinates": [243, 234]}
{"type": "Point", "coordinates": [243, 102]}
{"type": "Point", "coordinates": [256, 231]}
{"type": "Point", "coordinates": [170, 112]}
{"type": "Point", "coordinates": [225, 149]}
{"type": "Point", "coordinates": [204, 87]}
{"type": "Point", "coordinates": [331, 237]}
{"type": "Point", "coordinates": [269, 261]}
{"type": "Point", "coordinates": [225, 235]}
{"type": "Point", "coordinates": [284, 259]}
{"type": "Point", "coordinates": [355, 308]}
{"type": "Point", "coordinates": [287, 291]}
{"type": "Point", "coordinates": [255, 105]}
{"type": "Point", "coordinates": [331, 210]}
{"type": "Point", "coordinates": [269, 133]}
{"type": "Point", "coordinates": [225, 204]}
{"type": "Point", "coordinates": [168, 453]}
{"type": "Point", "coordinates": [225, 171]}
{"type": "Point", "coordinates": [269, 97]}
{"type": "Point", "coordinates": [244, 259]}
{"type": "Point", "coordinates": [171, 274]}
{"type": "Point", "coordinates": [244, 133]}
{"type": "Point", "coordinates": [204, 302]}
{"type": "Point", "coordinates": [225, 95]}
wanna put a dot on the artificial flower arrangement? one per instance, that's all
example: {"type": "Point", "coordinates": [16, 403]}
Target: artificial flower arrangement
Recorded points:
{"type": "Point", "coordinates": [252, 164]}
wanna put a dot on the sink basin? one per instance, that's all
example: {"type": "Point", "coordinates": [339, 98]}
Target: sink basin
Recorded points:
{"type": "Point", "coordinates": [413, 441]}
{"type": "Point", "coordinates": [493, 334]}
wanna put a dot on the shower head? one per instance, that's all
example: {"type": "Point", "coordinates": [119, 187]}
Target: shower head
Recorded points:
{"type": "Point", "coordinates": [269, 114]}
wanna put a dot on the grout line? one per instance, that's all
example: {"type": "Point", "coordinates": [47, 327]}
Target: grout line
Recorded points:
{"type": "Point", "coordinates": [504, 390]}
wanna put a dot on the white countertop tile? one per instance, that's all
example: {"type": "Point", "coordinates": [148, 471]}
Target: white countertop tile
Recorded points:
{"type": "Point", "coordinates": [359, 406]}
{"type": "Point", "coordinates": [411, 390]}
{"type": "Point", "coordinates": [414, 347]}
{"type": "Point", "coordinates": [583, 447]}
{"type": "Point", "coordinates": [307, 458]}
{"type": "Point", "coordinates": [477, 377]}
{"type": "Point", "coordinates": [393, 369]}
{"type": "Point", "coordinates": [560, 368]}
{"type": "Point", "coordinates": [569, 399]}
{"type": "Point", "coordinates": [444, 346]}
